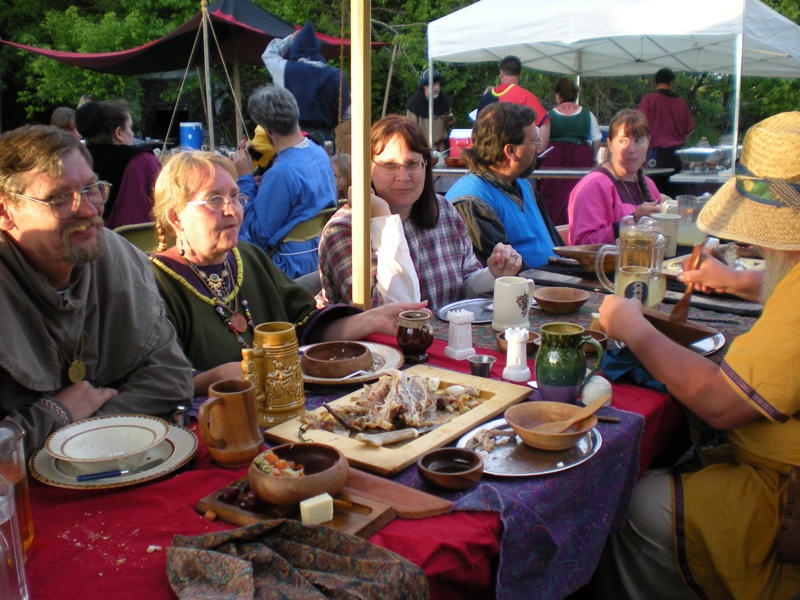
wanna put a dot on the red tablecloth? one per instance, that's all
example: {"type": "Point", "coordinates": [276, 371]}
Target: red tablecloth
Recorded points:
{"type": "Point", "coordinates": [111, 544]}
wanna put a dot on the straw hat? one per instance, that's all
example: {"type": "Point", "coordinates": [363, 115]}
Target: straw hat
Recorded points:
{"type": "Point", "coordinates": [761, 204]}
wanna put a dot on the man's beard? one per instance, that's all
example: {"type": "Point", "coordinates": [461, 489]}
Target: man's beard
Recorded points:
{"type": "Point", "coordinates": [80, 256]}
{"type": "Point", "coordinates": [779, 263]}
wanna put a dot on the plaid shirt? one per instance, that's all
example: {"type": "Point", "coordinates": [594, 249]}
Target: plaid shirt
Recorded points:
{"type": "Point", "coordinates": [443, 257]}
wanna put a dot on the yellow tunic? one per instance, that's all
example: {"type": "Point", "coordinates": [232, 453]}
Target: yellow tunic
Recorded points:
{"type": "Point", "coordinates": [727, 515]}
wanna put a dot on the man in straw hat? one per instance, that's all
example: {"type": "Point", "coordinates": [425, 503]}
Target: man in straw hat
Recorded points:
{"type": "Point", "coordinates": [727, 530]}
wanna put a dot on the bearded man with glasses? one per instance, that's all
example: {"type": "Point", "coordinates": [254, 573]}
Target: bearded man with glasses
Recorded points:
{"type": "Point", "coordinates": [84, 328]}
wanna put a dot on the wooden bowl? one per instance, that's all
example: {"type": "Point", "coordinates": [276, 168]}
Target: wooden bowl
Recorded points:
{"type": "Point", "coordinates": [451, 468]}
{"type": "Point", "coordinates": [455, 162]}
{"type": "Point", "coordinates": [532, 345]}
{"type": "Point", "coordinates": [586, 254]}
{"type": "Point", "coordinates": [333, 360]}
{"type": "Point", "coordinates": [325, 469]}
{"type": "Point", "coordinates": [524, 417]}
{"type": "Point", "coordinates": [560, 300]}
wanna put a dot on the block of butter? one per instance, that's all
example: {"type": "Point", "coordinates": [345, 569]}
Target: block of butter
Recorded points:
{"type": "Point", "coordinates": [317, 509]}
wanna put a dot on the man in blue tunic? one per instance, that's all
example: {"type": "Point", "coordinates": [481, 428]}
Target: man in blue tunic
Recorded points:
{"type": "Point", "coordinates": [495, 199]}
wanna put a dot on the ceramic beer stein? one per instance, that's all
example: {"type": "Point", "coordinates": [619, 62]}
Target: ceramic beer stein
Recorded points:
{"type": "Point", "coordinates": [228, 423]}
{"type": "Point", "coordinates": [273, 366]}
{"type": "Point", "coordinates": [415, 335]}
{"type": "Point", "coordinates": [512, 302]}
{"type": "Point", "coordinates": [561, 363]}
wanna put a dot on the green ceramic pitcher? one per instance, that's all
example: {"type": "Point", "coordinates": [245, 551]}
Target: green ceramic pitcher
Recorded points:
{"type": "Point", "coordinates": [561, 363]}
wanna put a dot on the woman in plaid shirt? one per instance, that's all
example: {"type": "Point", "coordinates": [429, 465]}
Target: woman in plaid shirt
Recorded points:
{"type": "Point", "coordinates": [420, 246]}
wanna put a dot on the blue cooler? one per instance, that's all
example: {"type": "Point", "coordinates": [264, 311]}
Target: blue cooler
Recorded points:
{"type": "Point", "coordinates": [191, 136]}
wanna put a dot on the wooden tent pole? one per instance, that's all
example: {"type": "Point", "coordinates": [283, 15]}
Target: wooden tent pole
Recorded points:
{"type": "Point", "coordinates": [207, 68]}
{"type": "Point", "coordinates": [360, 11]}
{"type": "Point", "coordinates": [237, 97]}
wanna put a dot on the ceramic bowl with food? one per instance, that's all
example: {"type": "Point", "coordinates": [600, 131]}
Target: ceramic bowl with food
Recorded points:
{"type": "Point", "coordinates": [560, 300]}
{"type": "Point", "coordinates": [324, 469]}
{"type": "Point", "coordinates": [451, 468]}
{"type": "Point", "coordinates": [333, 360]}
{"type": "Point", "coordinates": [106, 443]}
{"type": "Point", "coordinates": [525, 417]}
{"type": "Point", "coordinates": [532, 345]}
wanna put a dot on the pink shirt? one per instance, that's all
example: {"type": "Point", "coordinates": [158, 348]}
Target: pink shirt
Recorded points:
{"type": "Point", "coordinates": [595, 206]}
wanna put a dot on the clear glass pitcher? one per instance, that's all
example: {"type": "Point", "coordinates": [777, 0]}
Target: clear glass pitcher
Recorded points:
{"type": "Point", "coordinates": [689, 208]}
{"type": "Point", "coordinates": [639, 253]}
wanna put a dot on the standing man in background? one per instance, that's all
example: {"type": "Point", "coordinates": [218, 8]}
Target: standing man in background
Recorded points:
{"type": "Point", "coordinates": [670, 122]}
{"type": "Point", "coordinates": [509, 90]}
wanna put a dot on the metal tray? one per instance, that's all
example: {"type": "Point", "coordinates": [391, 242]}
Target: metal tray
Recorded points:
{"type": "Point", "coordinates": [519, 460]}
{"type": "Point", "coordinates": [480, 307]}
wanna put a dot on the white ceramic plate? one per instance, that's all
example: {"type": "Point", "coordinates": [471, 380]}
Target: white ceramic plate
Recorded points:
{"type": "Point", "coordinates": [383, 357]}
{"type": "Point", "coordinates": [708, 345]}
{"type": "Point", "coordinates": [176, 450]}
{"type": "Point", "coordinates": [106, 442]}
{"type": "Point", "coordinates": [516, 459]}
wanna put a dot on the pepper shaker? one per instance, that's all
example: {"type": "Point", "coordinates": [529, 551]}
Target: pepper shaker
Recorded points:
{"type": "Point", "coordinates": [459, 335]}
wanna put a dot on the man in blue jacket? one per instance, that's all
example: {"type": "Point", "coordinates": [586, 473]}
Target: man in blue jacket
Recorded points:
{"type": "Point", "coordinates": [495, 199]}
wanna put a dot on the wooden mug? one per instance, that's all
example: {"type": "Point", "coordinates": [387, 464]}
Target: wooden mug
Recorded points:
{"type": "Point", "coordinates": [228, 423]}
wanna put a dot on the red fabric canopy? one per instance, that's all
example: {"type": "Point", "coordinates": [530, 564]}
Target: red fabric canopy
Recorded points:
{"type": "Point", "coordinates": [242, 29]}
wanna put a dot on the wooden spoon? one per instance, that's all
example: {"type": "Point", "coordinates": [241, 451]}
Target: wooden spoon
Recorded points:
{"type": "Point", "coordinates": [681, 309]}
{"type": "Point", "coordinates": [584, 413]}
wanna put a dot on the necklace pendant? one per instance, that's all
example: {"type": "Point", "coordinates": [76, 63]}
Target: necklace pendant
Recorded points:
{"type": "Point", "coordinates": [238, 322]}
{"type": "Point", "coordinates": [76, 371]}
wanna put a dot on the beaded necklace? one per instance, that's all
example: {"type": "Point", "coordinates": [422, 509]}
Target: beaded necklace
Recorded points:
{"type": "Point", "coordinates": [222, 293]}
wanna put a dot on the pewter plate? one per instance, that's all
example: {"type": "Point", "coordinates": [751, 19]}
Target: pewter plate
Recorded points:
{"type": "Point", "coordinates": [708, 345]}
{"type": "Point", "coordinates": [516, 459]}
{"type": "Point", "coordinates": [480, 307]}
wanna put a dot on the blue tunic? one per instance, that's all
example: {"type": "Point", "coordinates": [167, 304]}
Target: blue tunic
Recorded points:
{"type": "Point", "coordinates": [525, 227]}
{"type": "Point", "coordinates": [297, 187]}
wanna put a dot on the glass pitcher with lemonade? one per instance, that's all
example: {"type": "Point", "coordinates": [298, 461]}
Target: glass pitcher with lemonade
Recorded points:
{"type": "Point", "coordinates": [639, 255]}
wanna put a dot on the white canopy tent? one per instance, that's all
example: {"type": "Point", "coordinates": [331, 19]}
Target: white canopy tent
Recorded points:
{"type": "Point", "coordinates": [624, 37]}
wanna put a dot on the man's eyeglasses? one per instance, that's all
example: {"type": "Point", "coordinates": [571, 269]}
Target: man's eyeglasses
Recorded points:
{"type": "Point", "coordinates": [218, 201]}
{"type": "Point", "coordinates": [66, 204]}
{"type": "Point", "coordinates": [412, 167]}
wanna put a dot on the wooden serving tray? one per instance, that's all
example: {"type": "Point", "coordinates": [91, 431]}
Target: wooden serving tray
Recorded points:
{"type": "Point", "coordinates": [497, 397]}
{"type": "Point", "coordinates": [365, 505]}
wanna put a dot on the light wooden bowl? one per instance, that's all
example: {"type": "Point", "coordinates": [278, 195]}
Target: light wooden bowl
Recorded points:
{"type": "Point", "coordinates": [560, 300]}
{"type": "Point", "coordinates": [332, 360]}
{"type": "Point", "coordinates": [325, 471]}
{"type": "Point", "coordinates": [451, 468]}
{"type": "Point", "coordinates": [524, 417]}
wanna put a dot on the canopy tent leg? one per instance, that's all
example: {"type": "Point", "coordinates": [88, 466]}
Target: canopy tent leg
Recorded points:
{"type": "Point", "coordinates": [737, 91]}
{"type": "Point", "coordinates": [360, 59]}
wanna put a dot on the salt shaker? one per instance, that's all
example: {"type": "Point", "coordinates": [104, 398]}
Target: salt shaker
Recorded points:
{"type": "Point", "coordinates": [459, 335]}
{"type": "Point", "coordinates": [12, 564]}
{"type": "Point", "coordinates": [516, 356]}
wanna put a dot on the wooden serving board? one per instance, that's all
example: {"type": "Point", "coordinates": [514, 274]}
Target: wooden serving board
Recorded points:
{"type": "Point", "coordinates": [497, 396]}
{"type": "Point", "coordinates": [366, 504]}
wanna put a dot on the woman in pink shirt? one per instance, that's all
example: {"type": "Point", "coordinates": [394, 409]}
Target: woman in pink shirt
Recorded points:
{"type": "Point", "coordinates": [616, 188]}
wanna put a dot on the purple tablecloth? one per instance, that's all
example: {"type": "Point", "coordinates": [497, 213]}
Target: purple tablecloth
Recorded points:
{"type": "Point", "coordinates": [555, 526]}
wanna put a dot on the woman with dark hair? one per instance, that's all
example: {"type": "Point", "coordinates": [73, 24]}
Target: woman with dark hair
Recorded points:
{"type": "Point", "coordinates": [420, 246]}
{"type": "Point", "coordinates": [618, 187]}
{"type": "Point", "coordinates": [575, 137]}
{"type": "Point", "coordinates": [130, 169]}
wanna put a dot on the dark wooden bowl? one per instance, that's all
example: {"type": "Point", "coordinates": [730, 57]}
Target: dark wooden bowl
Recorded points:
{"type": "Point", "coordinates": [332, 360]}
{"type": "Point", "coordinates": [560, 300]}
{"type": "Point", "coordinates": [599, 336]}
{"type": "Point", "coordinates": [451, 468]}
{"type": "Point", "coordinates": [532, 345]}
{"type": "Point", "coordinates": [586, 254]}
{"type": "Point", "coordinates": [325, 468]}
{"type": "Point", "coordinates": [455, 162]}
